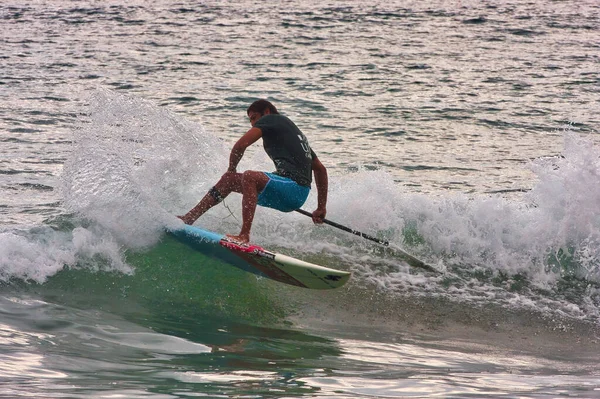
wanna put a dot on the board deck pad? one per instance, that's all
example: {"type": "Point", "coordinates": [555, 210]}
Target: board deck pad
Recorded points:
{"type": "Point", "coordinates": [257, 260]}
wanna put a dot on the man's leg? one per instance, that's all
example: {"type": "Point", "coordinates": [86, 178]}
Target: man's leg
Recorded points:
{"type": "Point", "coordinates": [228, 183]}
{"type": "Point", "coordinates": [253, 183]}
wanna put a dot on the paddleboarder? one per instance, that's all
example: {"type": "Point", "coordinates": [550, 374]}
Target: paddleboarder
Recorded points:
{"type": "Point", "coordinates": [285, 189]}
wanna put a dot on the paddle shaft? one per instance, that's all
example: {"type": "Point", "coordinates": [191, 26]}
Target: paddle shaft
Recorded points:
{"type": "Point", "coordinates": [404, 255]}
{"type": "Point", "coordinates": [347, 229]}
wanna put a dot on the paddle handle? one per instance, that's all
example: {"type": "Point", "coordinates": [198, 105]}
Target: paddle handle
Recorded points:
{"type": "Point", "coordinates": [347, 229]}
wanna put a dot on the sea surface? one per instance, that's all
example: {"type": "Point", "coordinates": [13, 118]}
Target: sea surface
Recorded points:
{"type": "Point", "coordinates": [466, 133]}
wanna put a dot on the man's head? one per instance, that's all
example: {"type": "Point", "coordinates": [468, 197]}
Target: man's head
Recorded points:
{"type": "Point", "coordinates": [260, 108]}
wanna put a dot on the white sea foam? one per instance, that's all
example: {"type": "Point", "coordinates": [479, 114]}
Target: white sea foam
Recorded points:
{"type": "Point", "coordinates": [133, 164]}
{"type": "Point", "coordinates": [36, 254]}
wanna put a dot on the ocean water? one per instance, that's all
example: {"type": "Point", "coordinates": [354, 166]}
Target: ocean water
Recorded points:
{"type": "Point", "coordinates": [465, 133]}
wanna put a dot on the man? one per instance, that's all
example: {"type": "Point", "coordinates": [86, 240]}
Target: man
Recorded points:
{"type": "Point", "coordinates": [285, 189]}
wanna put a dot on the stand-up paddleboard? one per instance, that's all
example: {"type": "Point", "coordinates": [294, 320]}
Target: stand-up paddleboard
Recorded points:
{"type": "Point", "coordinates": [261, 262]}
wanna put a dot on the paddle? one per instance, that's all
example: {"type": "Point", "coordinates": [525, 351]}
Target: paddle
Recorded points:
{"type": "Point", "coordinates": [411, 260]}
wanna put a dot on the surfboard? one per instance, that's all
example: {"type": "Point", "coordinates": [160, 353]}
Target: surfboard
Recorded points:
{"type": "Point", "coordinates": [259, 261]}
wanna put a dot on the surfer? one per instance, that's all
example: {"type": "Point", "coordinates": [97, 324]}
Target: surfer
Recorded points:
{"type": "Point", "coordinates": [286, 189]}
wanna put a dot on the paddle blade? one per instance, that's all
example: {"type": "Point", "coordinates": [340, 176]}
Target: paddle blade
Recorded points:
{"type": "Point", "coordinates": [411, 260]}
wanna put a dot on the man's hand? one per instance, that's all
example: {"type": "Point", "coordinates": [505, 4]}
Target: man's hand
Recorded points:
{"type": "Point", "coordinates": [319, 215]}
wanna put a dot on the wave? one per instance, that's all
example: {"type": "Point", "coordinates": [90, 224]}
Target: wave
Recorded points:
{"type": "Point", "coordinates": [135, 165]}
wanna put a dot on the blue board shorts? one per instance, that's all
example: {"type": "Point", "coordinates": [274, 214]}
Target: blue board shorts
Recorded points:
{"type": "Point", "coordinates": [282, 193]}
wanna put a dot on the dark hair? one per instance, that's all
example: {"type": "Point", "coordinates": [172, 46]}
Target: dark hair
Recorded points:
{"type": "Point", "coordinates": [260, 106]}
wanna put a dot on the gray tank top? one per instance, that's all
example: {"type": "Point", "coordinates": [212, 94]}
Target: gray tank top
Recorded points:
{"type": "Point", "coordinates": [287, 147]}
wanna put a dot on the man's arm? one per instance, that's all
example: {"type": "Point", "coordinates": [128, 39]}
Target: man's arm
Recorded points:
{"type": "Point", "coordinates": [237, 152]}
{"type": "Point", "coordinates": [322, 183]}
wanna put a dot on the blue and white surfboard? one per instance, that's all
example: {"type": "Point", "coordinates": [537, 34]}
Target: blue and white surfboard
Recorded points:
{"type": "Point", "coordinates": [257, 260]}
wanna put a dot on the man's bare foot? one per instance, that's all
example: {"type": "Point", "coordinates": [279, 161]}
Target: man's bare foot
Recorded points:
{"type": "Point", "coordinates": [186, 220]}
{"type": "Point", "coordinates": [243, 239]}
